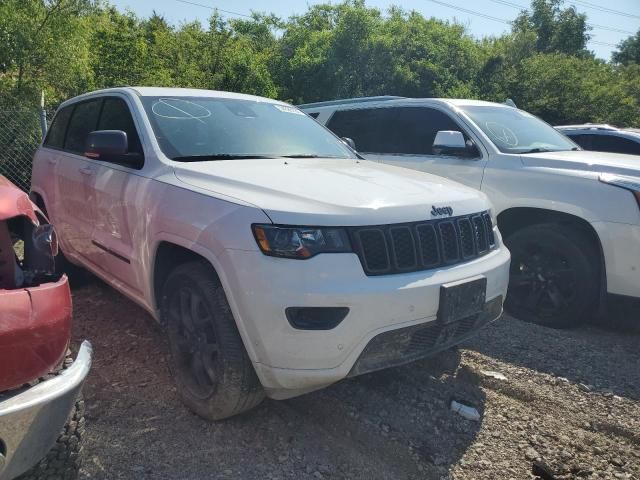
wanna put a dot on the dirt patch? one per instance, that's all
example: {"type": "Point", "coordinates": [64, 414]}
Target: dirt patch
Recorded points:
{"type": "Point", "coordinates": [570, 400]}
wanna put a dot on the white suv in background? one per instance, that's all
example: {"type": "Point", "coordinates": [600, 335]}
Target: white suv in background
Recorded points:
{"type": "Point", "coordinates": [571, 218]}
{"type": "Point", "coordinates": [604, 138]}
{"type": "Point", "coordinates": [278, 260]}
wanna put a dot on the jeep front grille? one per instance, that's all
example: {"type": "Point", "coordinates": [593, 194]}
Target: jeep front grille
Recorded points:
{"type": "Point", "coordinates": [411, 247]}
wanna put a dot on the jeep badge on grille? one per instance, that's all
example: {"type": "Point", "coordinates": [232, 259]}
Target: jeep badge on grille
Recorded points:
{"type": "Point", "coordinates": [438, 212]}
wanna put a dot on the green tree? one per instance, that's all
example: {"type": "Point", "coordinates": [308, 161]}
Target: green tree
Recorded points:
{"type": "Point", "coordinates": [628, 51]}
{"type": "Point", "coordinates": [557, 29]}
{"type": "Point", "coordinates": [566, 89]}
{"type": "Point", "coordinates": [43, 46]}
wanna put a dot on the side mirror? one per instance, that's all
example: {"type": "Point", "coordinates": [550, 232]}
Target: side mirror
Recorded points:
{"type": "Point", "coordinates": [112, 146]}
{"type": "Point", "coordinates": [106, 144]}
{"type": "Point", "coordinates": [449, 142]}
{"type": "Point", "coordinates": [350, 143]}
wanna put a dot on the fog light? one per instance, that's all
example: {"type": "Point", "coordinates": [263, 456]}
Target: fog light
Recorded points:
{"type": "Point", "coordinates": [316, 318]}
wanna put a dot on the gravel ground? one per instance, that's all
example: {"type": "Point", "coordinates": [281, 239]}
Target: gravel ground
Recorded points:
{"type": "Point", "coordinates": [570, 400]}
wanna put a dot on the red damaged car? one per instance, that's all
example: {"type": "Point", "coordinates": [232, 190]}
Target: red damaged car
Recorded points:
{"type": "Point", "coordinates": [41, 409]}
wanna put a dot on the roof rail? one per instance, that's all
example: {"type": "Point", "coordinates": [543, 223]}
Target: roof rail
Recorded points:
{"type": "Point", "coordinates": [348, 101]}
{"type": "Point", "coordinates": [589, 126]}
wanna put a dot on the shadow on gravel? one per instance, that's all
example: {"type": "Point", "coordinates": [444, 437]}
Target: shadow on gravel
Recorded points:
{"type": "Point", "coordinates": [593, 358]}
{"type": "Point", "coordinates": [386, 425]}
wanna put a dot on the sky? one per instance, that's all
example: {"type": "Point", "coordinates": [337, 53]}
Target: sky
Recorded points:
{"type": "Point", "coordinates": [488, 17]}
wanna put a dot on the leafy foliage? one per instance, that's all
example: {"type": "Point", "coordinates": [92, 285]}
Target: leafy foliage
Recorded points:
{"type": "Point", "coordinates": [331, 51]}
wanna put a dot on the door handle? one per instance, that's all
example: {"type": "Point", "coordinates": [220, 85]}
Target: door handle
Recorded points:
{"type": "Point", "coordinates": [86, 170]}
{"type": "Point", "coordinates": [52, 161]}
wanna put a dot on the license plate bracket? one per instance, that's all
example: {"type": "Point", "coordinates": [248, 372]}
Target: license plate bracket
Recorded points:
{"type": "Point", "coordinates": [461, 299]}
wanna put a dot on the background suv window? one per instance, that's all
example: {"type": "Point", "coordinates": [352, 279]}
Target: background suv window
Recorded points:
{"type": "Point", "coordinates": [55, 135]}
{"type": "Point", "coordinates": [583, 140]}
{"type": "Point", "coordinates": [116, 116]}
{"type": "Point", "coordinates": [611, 143]}
{"type": "Point", "coordinates": [367, 127]}
{"type": "Point", "coordinates": [404, 130]}
{"type": "Point", "coordinates": [83, 121]}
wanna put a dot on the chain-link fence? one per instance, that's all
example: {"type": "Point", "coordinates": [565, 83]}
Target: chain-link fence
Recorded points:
{"type": "Point", "coordinates": [20, 134]}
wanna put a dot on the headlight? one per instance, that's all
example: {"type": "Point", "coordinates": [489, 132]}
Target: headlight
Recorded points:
{"type": "Point", "coordinates": [628, 183]}
{"type": "Point", "coordinates": [300, 242]}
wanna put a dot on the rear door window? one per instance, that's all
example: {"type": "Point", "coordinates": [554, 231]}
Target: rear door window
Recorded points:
{"type": "Point", "coordinates": [83, 121]}
{"type": "Point", "coordinates": [58, 128]}
{"type": "Point", "coordinates": [368, 128]}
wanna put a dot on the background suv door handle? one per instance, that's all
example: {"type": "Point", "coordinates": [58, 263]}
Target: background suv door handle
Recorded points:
{"type": "Point", "coordinates": [86, 170]}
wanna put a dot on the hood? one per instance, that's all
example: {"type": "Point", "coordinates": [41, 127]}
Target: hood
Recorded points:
{"type": "Point", "coordinates": [586, 161]}
{"type": "Point", "coordinates": [14, 202]}
{"type": "Point", "coordinates": [339, 192]}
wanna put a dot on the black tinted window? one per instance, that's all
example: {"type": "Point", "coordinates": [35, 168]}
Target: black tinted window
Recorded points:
{"type": "Point", "coordinates": [369, 128]}
{"type": "Point", "coordinates": [611, 143]}
{"type": "Point", "coordinates": [408, 130]}
{"type": "Point", "coordinates": [83, 121]}
{"type": "Point", "coordinates": [583, 140]}
{"type": "Point", "coordinates": [116, 116]}
{"type": "Point", "coordinates": [55, 135]}
{"type": "Point", "coordinates": [414, 129]}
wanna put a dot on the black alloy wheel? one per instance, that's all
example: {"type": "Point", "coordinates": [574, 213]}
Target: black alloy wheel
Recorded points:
{"type": "Point", "coordinates": [213, 373]}
{"type": "Point", "coordinates": [193, 342]}
{"type": "Point", "coordinates": [554, 277]}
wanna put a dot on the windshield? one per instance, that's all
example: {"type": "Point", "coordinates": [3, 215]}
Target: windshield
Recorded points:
{"type": "Point", "coordinates": [516, 131]}
{"type": "Point", "coordinates": [207, 128]}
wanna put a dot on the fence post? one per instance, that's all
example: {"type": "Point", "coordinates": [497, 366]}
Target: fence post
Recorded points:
{"type": "Point", "coordinates": [43, 116]}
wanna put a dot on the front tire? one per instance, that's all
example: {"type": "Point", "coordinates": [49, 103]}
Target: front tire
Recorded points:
{"type": "Point", "coordinates": [213, 373]}
{"type": "Point", "coordinates": [554, 278]}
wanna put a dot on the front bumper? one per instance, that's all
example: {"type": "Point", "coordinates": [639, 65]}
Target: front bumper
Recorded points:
{"type": "Point", "coordinates": [31, 420]}
{"type": "Point", "coordinates": [290, 361]}
{"type": "Point", "coordinates": [621, 248]}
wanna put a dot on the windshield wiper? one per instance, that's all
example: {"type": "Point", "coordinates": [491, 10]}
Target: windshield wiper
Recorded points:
{"type": "Point", "coordinates": [218, 156]}
{"type": "Point", "coordinates": [536, 150]}
{"type": "Point", "coordinates": [302, 155]}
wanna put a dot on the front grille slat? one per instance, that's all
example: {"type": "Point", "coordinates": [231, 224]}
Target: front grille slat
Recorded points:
{"type": "Point", "coordinates": [480, 231]}
{"type": "Point", "coordinates": [467, 238]}
{"type": "Point", "coordinates": [410, 247]}
{"type": "Point", "coordinates": [429, 245]}
{"type": "Point", "coordinates": [404, 249]}
{"type": "Point", "coordinates": [374, 250]}
{"type": "Point", "coordinates": [489, 226]}
{"type": "Point", "coordinates": [449, 240]}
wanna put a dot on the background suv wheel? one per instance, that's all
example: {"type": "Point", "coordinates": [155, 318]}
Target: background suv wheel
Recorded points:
{"type": "Point", "coordinates": [553, 277]}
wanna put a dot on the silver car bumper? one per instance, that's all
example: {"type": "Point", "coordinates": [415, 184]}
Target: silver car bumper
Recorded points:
{"type": "Point", "coordinates": [31, 421]}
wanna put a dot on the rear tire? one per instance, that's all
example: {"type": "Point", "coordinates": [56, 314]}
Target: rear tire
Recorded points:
{"type": "Point", "coordinates": [213, 373]}
{"type": "Point", "coordinates": [554, 276]}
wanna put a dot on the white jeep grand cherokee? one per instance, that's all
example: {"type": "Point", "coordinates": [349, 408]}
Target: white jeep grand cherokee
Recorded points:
{"type": "Point", "coordinates": [278, 260]}
{"type": "Point", "coordinates": [570, 218]}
